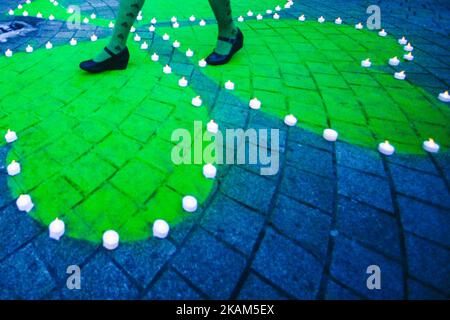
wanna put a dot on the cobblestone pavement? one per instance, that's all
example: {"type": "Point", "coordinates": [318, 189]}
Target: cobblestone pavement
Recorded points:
{"type": "Point", "coordinates": [309, 232]}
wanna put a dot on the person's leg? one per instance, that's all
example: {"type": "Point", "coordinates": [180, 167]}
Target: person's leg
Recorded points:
{"type": "Point", "coordinates": [227, 29]}
{"type": "Point", "coordinates": [128, 11]}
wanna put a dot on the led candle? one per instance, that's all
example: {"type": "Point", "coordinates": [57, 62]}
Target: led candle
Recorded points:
{"type": "Point", "coordinates": [19, 6]}
{"type": "Point", "coordinates": [29, 49]}
{"type": "Point", "coordinates": [13, 168]}
{"type": "Point", "coordinates": [39, 15]}
{"type": "Point", "coordinates": [255, 104]}
{"type": "Point", "coordinates": [70, 10]}
{"type": "Point", "coordinates": [394, 61]}
{"type": "Point", "coordinates": [197, 101]}
{"type": "Point", "coordinates": [144, 45]}
{"type": "Point", "coordinates": [444, 96]}
{"type": "Point", "coordinates": [240, 19]}
{"type": "Point", "coordinates": [386, 148]}
{"type": "Point", "coordinates": [10, 136]}
{"type": "Point", "coordinates": [153, 21]}
{"type": "Point", "coordinates": [137, 38]}
{"type": "Point", "coordinates": [173, 19]}
{"type": "Point", "coordinates": [8, 53]}
{"type": "Point", "coordinates": [110, 240]}
{"type": "Point", "coordinates": [249, 13]}
{"type": "Point", "coordinates": [93, 16]}
{"type": "Point", "coordinates": [165, 37]}
{"type": "Point", "coordinates": [400, 75]}
{"type": "Point", "coordinates": [111, 25]}
{"type": "Point", "coordinates": [402, 41]}
{"type": "Point", "coordinates": [86, 20]}
{"type": "Point", "coordinates": [338, 20]}
{"type": "Point", "coordinates": [276, 16]}
{"type": "Point", "coordinates": [167, 69]}
{"type": "Point", "coordinates": [155, 57]}
{"type": "Point", "coordinates": [212, 127]}
{"type": "Point", "coordinates": [56, 229]}
{"type": "Point", "coordinates": [408, 56]}
{"type": "Point", "coordinates": [330, 135]}
{"type": "Point", "coordinates": [11, 12]}
{"type": "Point", "coordinates": [132, 29]}
{"type": "Point", "coordinates": [73, 42]}
{"type": "Point", "coordinates": [366, 63]}
{"type": "Point", "coordinates": [25, 13]}
{"type": "Point", "coordinates": [202, 63]}
{"type": "Point", "coordinates": [189, 53]}
{"type": "Point", "coordinates": [176, 44]}
{"type": "Point", "coordinates": [259, 17]}
{"type": "Point", "coordinates": [175, 25]}
{"type": "Point", "coordinates": [301, 18]}
{"type": "Point", "coordinates": [290, 120]}
{"type": "Point", "coordinates": [382, 33]}
{"type": "Point", "coordinates": [24, 203]}
{"type": "Point", "coordinates": [229, 85]}
{"type": "Point", "coordinates": [408, 47]}
{"type": "Point", "coordinates": [277, 8]}
{"type": "Point", "coordinates": [151, 28]}
{"type": "Point", "coordinates": [209, 171]}
{"type": "Point", "coordinates": [189, 204]}
{"type": "Point", "coordinates": [287, 5]}
{"type": "Point", "coordinates": [160, 229]}
{"type": "Point", "coordinates": [183, 82]}
{"type": "Point", "coordinates": [55, 3]}
{"type": "Point", "coordinates": [48, 45]}
{"type": "Point", "coordinates": [268, 11]}
{"type": "Point", "coordinates": [430, 146]}
{"type": "Point", "coordinates": [52, 17]}
{"type": "Point", "coordinates": [359, 26]}
{"type": "Point", "coordinates": [139, 17]}
{"type": "Point", "coordinates": [202, 23]}
{"type": "Point", "coordinates": [321, 19]}
{"type": "Point", "coordinates": [192, 18]}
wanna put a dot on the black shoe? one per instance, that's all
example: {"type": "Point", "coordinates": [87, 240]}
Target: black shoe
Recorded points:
{"type": "Point", "coordinates": [116, 62]}
{"type": "Point", "coordinates": [216, 59]}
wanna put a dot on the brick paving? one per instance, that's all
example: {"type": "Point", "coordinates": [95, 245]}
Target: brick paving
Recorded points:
{"type": "Point", "coordinates": [309, 232]}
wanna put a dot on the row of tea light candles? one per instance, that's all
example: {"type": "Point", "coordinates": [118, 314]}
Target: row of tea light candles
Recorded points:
{"type": "Point", "coordinates": [110, 238]}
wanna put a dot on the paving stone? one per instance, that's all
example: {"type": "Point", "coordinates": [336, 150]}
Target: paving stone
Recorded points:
{"type": "Point", "coordinates": [359, 158]}
{"type": "Point", "coordinates": [143, 267]}
{"type": "Point", "coordinates": [417, 291]}
{"type": "Point", "coordinates": [364, 187]}
{"type": "Point", "coordinates": [310, 159]}
{"type": "Point", "coordinates": [25, 275]}
{"type": "Point", "coordinates": [59, 255]}
{"type": "Point", "coordinates": [102, 279]}
{"type": "Point", "coordinates": [171, 287]}
{"type": "Point", "coordinates": [234, 223]}
{"type": "Point", "coordinates": [250, 189]}
{"type": "Point", "coordinates": [307, 187]}
{"type": "Point", "coordinates": [349, 266]}
{"type": "Point", "coordinates": [24, 229]}
{"type": "Point", "coordinates": [254, 288]}
{"type": "Point", "coordinates": [210, 265]}
{"type": "Point", "coordinates": [337, 292]}
{"type": "Point", "coordinates": [420, 185]}
{"type": "Point", "coordinates": [369, 226]}
{"type": "Point", "coordinates": [309, 226]}
{"type": "Point", "coordinates": [428, 262]}
{"type": "Point", "coordinates": [425, 220]}
{"type": "Point", "coordinates": [298, 272]}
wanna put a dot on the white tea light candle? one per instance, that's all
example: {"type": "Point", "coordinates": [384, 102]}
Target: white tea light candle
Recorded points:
{"type": "Point", "coordinates": [197, 101]}
{"type": "Point", "coordinates": [290, 120]}
{"type": "Point", "coordinates": [24, 203]}
{"type": "Point", "coordinates": [254, 104]}
{"type": "Point", "coordinates": [402, 41]}
{"type": "Point", "coordinates": [400, 75]}
{"type": "Point", "coordinates": [330, 135]}
{"type": "Point", "coordinates": [444, 96]}
{"type": "Point", "coordinates": [338, 20]}
{"type": "Point", "coordinates": [183, 82]}
{"type": "Point", "coordinates": [386, 148]}
{"type": "Point", "coordinates": [366, 63]}
{"type": "Point", "coordinates": [202, 63]}
{"type": "Point", "coordinates": [154, 57]}
{"type": "Point", "coordinates": [394, 61]}
{"type": "Point", "coordinates": [56, 229]}
{"type": "Point", "coordinates": [110, 240]}
{"type": "Point", "coordinates": [229, 85]}
{"type": "Point", "coordinates": [408, 56]}
{"type": "Point", "coordinates": [321, 19]}
{"type": "Point", "coordinates": [167, 69]}
{"type": "Point", "coordinates": [189, 204]}
{"type": "Point", "coordinates": [10, 136]}
{"type": "Point", "coordinates": [13, 168]}
{"type": "Point", "coordinates": [160, 229]}
{"type": "Point", "coordinates": [430, 146]}
{"type": "Point", "coordinates": [189, 53]}
{"type": "Point", "coordinates": [209, 171]}
{"type": "Point", "coordinates": [212, 127]}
